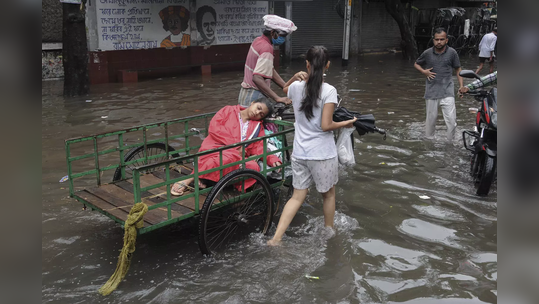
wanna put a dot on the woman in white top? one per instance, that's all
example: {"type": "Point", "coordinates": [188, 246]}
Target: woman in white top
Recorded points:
{"type": "Point", "coordinates": [314, 157]}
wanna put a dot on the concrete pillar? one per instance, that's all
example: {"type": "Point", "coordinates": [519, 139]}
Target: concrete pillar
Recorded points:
{"type": "Point", "coordinates": [91, 26]}
{"type": "Point", "coordinates": [346, 33]}
{"type": "Point", "coordinates": [355, 33]}
{"type": "Point", "coordinates": [205, 70]}
{"type": "Point", "coordinates": [288, 45]}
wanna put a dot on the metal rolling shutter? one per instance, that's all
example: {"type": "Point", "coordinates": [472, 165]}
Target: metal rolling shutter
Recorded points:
{"type": "Point", "coordinates": [279, 8]}
{"type": "Point", "coordinates": [318, 24]}
{"type": "Point", "coordinates": [379, 30]}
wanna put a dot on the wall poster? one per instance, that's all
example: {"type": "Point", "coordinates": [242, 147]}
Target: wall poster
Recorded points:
{"type": "Point", "coordinates": [229, 21]}
{"type": "Point", "coordinates": [143, 24]}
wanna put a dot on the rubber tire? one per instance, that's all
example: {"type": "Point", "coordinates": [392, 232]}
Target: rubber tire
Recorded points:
{"type": "Point", "coordinates": [474, 166]}
{"type": "Point", "coordinates": [133, 153]}
{"type": "Point", "coordinates": [226, 181]}
{"type": "Point", "coordinates": [460, 45]}
{"type": "Point", "coordinates": [487, 176]}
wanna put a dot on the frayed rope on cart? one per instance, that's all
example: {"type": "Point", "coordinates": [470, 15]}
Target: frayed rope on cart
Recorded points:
{"type": "Point", "coordinates": [133, 222]}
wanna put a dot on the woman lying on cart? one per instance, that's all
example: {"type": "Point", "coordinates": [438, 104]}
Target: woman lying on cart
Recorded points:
{"type": "Point", "coordinates": [232, 124]}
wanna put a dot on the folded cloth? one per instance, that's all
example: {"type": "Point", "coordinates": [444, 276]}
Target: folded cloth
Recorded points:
{"type": "Point", "coordinates": [274, 22]}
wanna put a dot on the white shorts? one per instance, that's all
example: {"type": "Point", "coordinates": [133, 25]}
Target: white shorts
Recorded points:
{"type": "Point", "coordinates": [325, 173]}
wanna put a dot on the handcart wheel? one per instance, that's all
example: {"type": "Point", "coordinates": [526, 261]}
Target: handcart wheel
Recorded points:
{"type": "Point", "coordinates": [138, 153]}
{"type": "Point", "coordinates": [229, 215]}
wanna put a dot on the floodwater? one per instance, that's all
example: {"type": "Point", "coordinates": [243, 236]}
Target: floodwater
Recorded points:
{"type": "Point", "coordinates": [390, 245]}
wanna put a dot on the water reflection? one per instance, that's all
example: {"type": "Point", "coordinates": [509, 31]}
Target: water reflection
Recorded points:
{"type": "Point", "coordinates": [390, 245]}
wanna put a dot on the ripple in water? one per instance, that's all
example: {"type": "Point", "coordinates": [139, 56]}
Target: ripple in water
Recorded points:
{"type": "Point", "coordinates": [429, 232]}
{"type": "Point", "coordinates": [439, 213]}
{"type": "Point", "coordinates": [398, 258]}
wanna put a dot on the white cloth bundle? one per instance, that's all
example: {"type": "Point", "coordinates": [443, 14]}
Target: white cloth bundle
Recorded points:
{"type": "Point", "coordinates": [274, 22]}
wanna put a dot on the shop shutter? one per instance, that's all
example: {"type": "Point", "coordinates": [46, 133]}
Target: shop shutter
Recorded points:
{"type": "Point", "coordinates": [379, 31]}
{"type": "Point", "coordinates": [318, 24]}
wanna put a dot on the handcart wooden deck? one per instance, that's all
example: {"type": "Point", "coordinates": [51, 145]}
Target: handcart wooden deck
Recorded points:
{"type": "Point", "coordinates": [146, 161]}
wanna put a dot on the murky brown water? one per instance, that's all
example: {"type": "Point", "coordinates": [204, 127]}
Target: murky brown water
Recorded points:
{"type": "Point", "coordinates": [390, 246]}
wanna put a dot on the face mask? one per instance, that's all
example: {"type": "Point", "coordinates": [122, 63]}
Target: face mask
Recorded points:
{"type": "Point", "coordinates": [280, 40]}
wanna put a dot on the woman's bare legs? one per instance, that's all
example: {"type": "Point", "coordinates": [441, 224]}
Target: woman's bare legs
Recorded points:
{"type": "Point", "coordinates": [289, 211]}
{"type": "Point", "coordinates": [329, 207]}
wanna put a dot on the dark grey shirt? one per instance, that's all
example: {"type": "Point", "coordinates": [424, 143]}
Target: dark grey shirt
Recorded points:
{"type": "Point", "coordinates": [443, 65]}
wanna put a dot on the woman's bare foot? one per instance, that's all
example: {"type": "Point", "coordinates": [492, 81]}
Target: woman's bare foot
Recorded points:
{"type": "Point", "coordinates": [273, 242]}
{"type": "Point", "coordinates": [179, 188]}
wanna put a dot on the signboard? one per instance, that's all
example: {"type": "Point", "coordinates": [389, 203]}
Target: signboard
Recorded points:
{"type": "Point", "coordinates": [71, 1]}
{"type": "Point", "coordinates": [141, 24]}
{"type": "Point", "coordinates": [229, 21]}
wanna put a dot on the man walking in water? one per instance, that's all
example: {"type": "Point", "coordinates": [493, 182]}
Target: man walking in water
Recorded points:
{"type": "Point", "coordinates": [437, 64]}
{"type": "Point", "coordinates": [259, 70]}
{"type": "Point", "coordinates": [486, 50]}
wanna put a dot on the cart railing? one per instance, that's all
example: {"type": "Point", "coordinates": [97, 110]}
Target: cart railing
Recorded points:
{"type": "Point", "coordinates": [93, 166]}
{"type": "Point", "coordinates": [121, 147]}
{"type": "Point", "coordinates": [170, 164]}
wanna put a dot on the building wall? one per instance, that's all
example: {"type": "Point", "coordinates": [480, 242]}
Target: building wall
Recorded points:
{"type": "Point", "coordinates": [379, 31]}
{"type": "Point", "coordinates": [107, 66]}
{"type": "Point", "coordinates": [51, 64]}
{"type": "Point", "coordinates": [51, 21]}
{"type": "Point", "coordinates": [425, 4]}
{"type": "Point", "coordinates": [319, 23]}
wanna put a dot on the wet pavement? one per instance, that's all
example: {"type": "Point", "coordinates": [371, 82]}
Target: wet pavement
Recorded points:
{"type": "Point", "coordinates": [390, 246]}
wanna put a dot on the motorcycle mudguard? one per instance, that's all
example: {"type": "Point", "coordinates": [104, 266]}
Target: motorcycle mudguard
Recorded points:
{"type": "Point", "coordinates": [482, 146]}
{"type": "Point", "coordinates": [490, 152]}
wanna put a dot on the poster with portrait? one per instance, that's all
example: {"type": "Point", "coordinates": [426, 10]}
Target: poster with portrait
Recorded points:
{"type": "Point", "coordinates": [142, 24]}
{"type": "Point", "coordinates": [229, 21]}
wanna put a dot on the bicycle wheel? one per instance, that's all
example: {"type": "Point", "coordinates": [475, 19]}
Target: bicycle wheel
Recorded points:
{"type": "Point", "coordinates": [451, 41]}
{"type": "Point", "coordinates": [487, 176]}
{"type": "Point", "coordinates": [460, 44]}
{"type": "Point", "coordinates": [137, 153]}
{"type": "Point", "coordinates": [229, 215]}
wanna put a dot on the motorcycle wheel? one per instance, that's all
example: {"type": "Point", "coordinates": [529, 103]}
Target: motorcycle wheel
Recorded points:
{"type": "Point", "coordinates": [487, 176]}
{"type": "Point", "coordinates": [475, 160]}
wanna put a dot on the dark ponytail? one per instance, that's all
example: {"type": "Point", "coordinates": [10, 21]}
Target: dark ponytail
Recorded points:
{"type": "Point", "coordinates": [318, 57]}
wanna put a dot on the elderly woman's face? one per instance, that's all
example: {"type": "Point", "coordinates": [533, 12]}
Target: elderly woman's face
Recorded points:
{"type": "Point", "coordinates": [208, 25]}
{"type": "Point", "coordinates": [257, 111]}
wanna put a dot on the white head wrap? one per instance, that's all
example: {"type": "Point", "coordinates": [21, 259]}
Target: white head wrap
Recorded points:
{"type": "Point", "coordinates": [274, 22]}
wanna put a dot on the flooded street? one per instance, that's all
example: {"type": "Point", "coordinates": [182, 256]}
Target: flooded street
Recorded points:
{"type": "Point", "coordinates": [390, 246]}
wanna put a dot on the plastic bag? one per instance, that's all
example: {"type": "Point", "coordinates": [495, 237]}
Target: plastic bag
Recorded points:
{"type": "Point", "coordinates": [275, 22]}
{"type": "Point", "coordinates": [345, 151]}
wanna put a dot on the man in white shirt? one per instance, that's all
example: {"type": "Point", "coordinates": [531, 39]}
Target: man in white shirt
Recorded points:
{"type": "Point", "coordinates": [486, 50]}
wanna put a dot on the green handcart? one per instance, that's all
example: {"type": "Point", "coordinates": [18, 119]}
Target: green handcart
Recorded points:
{"type": "Point", "coordinates": [145, 161]}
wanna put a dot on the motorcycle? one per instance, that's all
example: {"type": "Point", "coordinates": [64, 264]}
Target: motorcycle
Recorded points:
{"type": "Point", "coordinates": [482, 141]}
